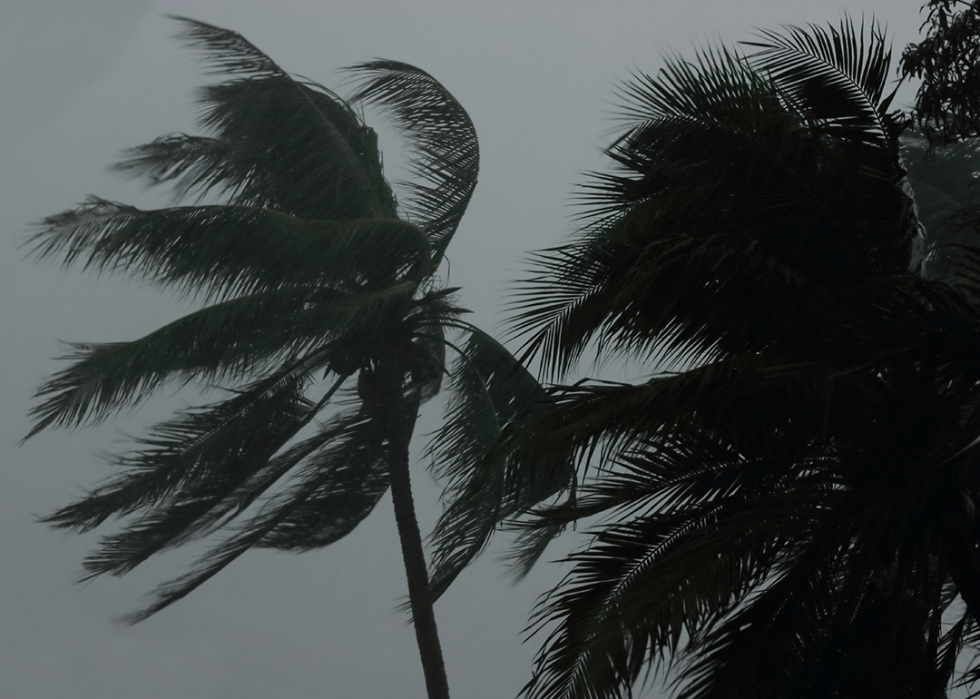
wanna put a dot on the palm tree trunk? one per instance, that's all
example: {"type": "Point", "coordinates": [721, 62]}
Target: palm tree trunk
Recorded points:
{"type": "Point", "coordinates": [423, 617]}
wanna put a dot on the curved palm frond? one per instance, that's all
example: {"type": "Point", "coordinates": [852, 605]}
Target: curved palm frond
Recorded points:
{"type": "Point", "coordinates": [199, 499]}
{"type": "Point", "coordinates": [838, 72]}
{"type": "Point", "coordinates": [331, 458]}
{"type": "Point", "coordinates": [294, 326]}
{"type": "Point", "coordinates": [486, 483]}
{"type": "Point", "coordinates": [445, 153]}
{"type": "Point", "coordinates": [281, 143]}
{"type": "Point", "coordinates": [220, 252]}
{"type": "Point", "coordinates": [183, 452]}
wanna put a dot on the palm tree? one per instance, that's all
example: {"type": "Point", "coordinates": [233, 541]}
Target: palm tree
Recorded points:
{"type": "Point", "coordinates": [317, 285]}
{"type": "Point", "coordinates": [786, 504]}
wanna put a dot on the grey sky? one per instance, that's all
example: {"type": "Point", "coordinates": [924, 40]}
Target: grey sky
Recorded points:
{"type": "Point", "coordinates": [80, 81]}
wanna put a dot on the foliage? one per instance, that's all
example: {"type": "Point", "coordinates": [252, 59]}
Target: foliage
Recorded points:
{"type": "Point", "coordinates": [947, 61]}
{"type": "Point", "coordinates": [785, 507]}
{"type": "Point", "coordinates": [322, 326]}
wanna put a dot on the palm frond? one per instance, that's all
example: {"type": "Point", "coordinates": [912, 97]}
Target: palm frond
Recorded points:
{"type": "Point", "coordinates": [486, 481]}
{"type": "Point", "coordinates": [351, 476]}
{"type": "Point", "coordinates": [227, 52]}
{"type": "Point", "coordinates": [186, 451]}
{"type": "Point", "coordinates": [665, 300]}
{"type": "Point", "coordinates": [445, 154]}
{"type": "Point", "coordinates": [225, 251]}
{"type": "Point", "coordinates": [273, 512]}
{"type": "Point", "coordinates": [644, 585]}
{"type": "Point", "coordinates": [286, 144]}
{"type": "Point", "coordinates": [291, 325]}
{"type": "Point", "coordinates": [207, 344]}
{"type": "Point", "coordinates": [763, 647]}
{"type": "Point", "coordinates": [838, 72]}
{"type": "Point", "coordinates": [208, 482]}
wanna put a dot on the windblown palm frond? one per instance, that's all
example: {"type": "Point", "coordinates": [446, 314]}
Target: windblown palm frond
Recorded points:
{"type": "Point", "coordinates": [341, 469]}
{"type": "Point", "coordinates": [839, 73]}
{"type": "Point", "coordinates": [743, 570]}
{"type": "Point", "coordinates": [226, 251]}
{"type": "Point", "coordinates": [445, 153]}
{"type": "Point", "coordinates": [276, 142]}
{"type": "Point", "coordinates": [487, 482]}
{"type": "Point", "coordinates": [296, 327]}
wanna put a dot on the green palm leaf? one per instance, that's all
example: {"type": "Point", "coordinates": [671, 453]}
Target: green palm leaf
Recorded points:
{"type": "Point", "coordinates": [183, 453]}
{"type": "Point", "coordinates": [275, 510]}
{"type": "Point", "coordinates": [286, 144]}
{"type": "Point", "coordinates": [487, 481]}
{"type": "Point", "coordinates": [838, 71]}
{"type": "Point", "coordinates": [293, 325]}
{"type": "Point", "coordinates": [224, 251]}
{"type": "Point", "coordinates": [445, 153]}
{"type": "Point", "coordinates": [210, 477]}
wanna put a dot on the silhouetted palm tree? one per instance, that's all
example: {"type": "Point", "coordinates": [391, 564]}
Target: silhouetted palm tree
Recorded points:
{"type": "Point", "coordinates": [788, 500]}
{"type": "Point", "coordinates": [317, 285]}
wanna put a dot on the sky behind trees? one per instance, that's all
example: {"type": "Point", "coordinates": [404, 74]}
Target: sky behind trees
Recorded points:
{"type": "Point", "coordinates": [82, 81]}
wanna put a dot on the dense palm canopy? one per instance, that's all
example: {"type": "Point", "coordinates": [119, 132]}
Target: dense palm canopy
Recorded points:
{"type": "Point", "coordinates": [786, 504]}
{"type": "Point", "coordinates": [322, 323]}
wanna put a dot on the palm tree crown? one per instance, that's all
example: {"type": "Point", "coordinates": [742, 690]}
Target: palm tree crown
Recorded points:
{"type": "Point", "coordinates": [317, 285]}
{"type": "Point", "coordinates": [788, 507]}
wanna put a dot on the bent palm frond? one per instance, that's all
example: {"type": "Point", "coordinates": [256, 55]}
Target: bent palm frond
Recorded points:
{"type": "Point", "coordinates": [185, 451]}
{"type": "Point", "coordinates": [199, 499]}
{"type": "Point", "coordinates": [445, 153]}
{"type": "Point", "coordinates": [220, 252]}
{"type": "Point", "coordinates": [331, 458]}
{"type": "Point", "coordinates": [287, 144]}
{"type": "Point", "coordinates": [295, 326]}
{"type": "Point", "coordinates": [838, 72]}
{"type": "Point", "coordinates": [487, 481]}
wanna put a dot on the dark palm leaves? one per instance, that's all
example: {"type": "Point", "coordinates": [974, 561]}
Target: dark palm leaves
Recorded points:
{"type": "Point", "coordinates": [788, 514]}
{"type": "Point", "coordinates": [665, 230]}
{"type": "Point", "coordinates": [277, 142]}
{"type": "Point", "coordinates": [445, 157]}
{"type": "Point", "coordinates": [753, 514]}
{"type": "Point", "coordinates": [492, 399]}
{"type": "Point", "coordinates": [310, 281]}
{"type": "Point", "coordinates": [219, 252]}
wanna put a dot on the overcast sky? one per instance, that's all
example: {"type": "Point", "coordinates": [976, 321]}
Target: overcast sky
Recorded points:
{"type": "Point", "coordinates": [83, 79]}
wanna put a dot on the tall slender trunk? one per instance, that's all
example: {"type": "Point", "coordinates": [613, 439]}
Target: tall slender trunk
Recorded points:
{"type": "Point", "coordinates": [424, 620]}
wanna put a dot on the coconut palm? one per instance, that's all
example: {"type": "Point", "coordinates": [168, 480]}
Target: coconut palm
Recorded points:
{"type": "Point", "coordinates": [322, 328]}
{"type": "Point", "coordinates": [786, 503]}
